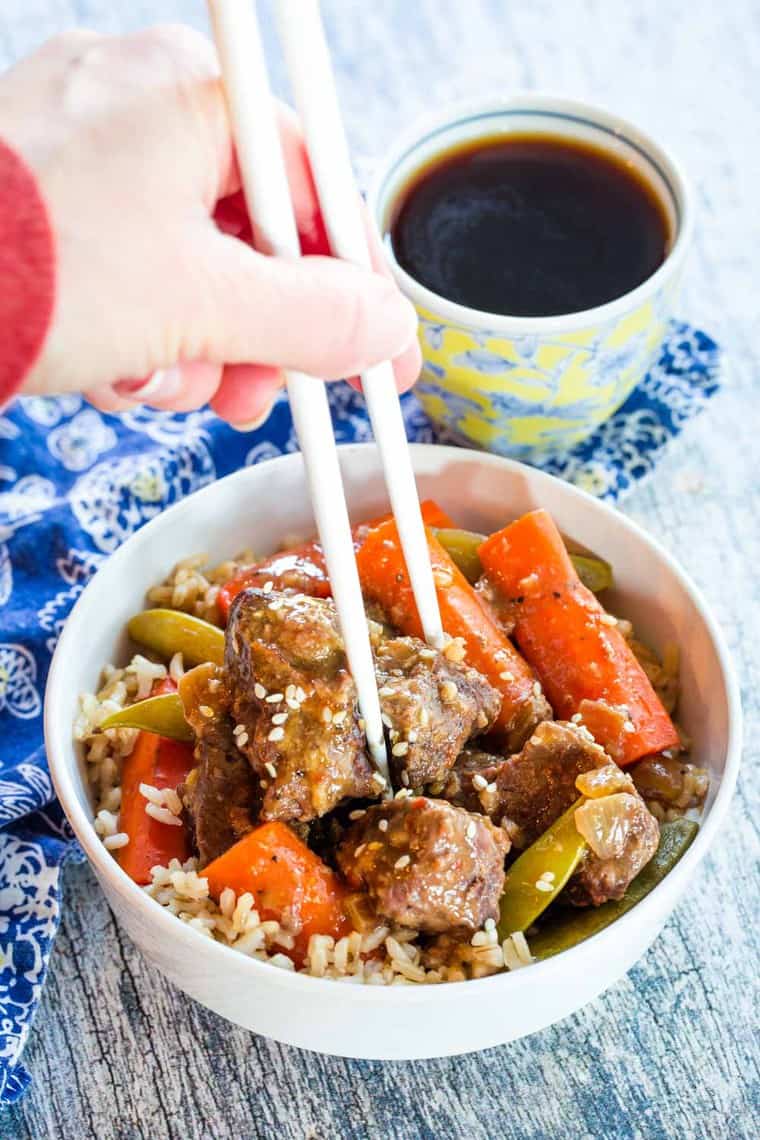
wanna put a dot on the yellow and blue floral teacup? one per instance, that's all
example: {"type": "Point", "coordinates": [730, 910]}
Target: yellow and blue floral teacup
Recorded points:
{"type": "Point", "coordinates": [532, 386]}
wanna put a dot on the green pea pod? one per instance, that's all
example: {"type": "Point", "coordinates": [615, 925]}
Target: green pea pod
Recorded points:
{"type": "Point", "coordinates": [167, 632]}
{"type": "Point", "coordinates": [163, 715]}
{"type": "Point", "coordinates": [595, 573]}
{"type": "Point", "coordinates": [573, 926]}
{"type": "Point", "coordinates": [526, 894]}
{"type": "Point", "coordinates": [462, 546]}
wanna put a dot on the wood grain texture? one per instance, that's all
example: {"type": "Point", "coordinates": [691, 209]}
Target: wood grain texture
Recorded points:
{"type": "Point", "coordinates": [671, 1051]}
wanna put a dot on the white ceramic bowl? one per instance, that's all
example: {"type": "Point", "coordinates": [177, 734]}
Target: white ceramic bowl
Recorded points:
{"type": "Point", "coordinates": [256, 507]}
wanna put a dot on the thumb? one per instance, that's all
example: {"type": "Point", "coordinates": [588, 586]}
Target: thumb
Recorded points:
{"type": "Point", "coordinates": [315, 314]}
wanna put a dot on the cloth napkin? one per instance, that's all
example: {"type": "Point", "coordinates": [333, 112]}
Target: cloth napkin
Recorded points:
{"type": "Point", "coordinates": [75, 483]}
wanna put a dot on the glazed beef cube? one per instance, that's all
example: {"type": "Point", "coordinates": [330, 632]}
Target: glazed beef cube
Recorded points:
{"type": "Point", "coordinates": [458, 787]}
{"type": "Point", "coordinates": [294, 704]}
{"type": "Point", "coordinates": [426, 864]}
{"type": "Point", "coordinates": [528, 791]}
{"type": "Point", "coordinates": [221, 793]}
{"type": "Point", "coordinates": [632, 838]}
{"type": "Point", "coordinates": [431, 705]}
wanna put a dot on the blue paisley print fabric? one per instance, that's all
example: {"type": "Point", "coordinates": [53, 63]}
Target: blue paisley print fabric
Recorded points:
{"type": "Point", "coordinates": [75, 483]}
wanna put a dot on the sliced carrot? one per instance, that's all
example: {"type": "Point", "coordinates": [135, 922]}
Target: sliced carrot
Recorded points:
{"type": "Point", "coordinates": [384, 579]}
{"type": "Point", "coordinates": [561, 628]}
{"type": "Point", "coordinates": [304, 568]}
{"type": "Point", "coordinates": [288, 882]}
{"type": "Point", "coordinates": [163, 763]}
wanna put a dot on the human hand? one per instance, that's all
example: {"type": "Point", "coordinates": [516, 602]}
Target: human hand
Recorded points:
{"type": "Point", "coordinates": [130, 144]}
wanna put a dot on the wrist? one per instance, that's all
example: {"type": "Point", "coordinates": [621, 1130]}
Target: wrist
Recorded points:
{"type": "Point", "coordinates": [27, 271]}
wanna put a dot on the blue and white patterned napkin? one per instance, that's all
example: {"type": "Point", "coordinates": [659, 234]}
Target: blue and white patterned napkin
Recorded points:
{"type": "Point", "coordinates": [74, 484]}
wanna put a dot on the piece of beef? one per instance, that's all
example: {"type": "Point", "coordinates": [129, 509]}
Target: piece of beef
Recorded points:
{"type": "Point", "coordinates": [294, 703]}
{"type": "Point", "coordinates": [458, 787]}
{"type": "Point", "coordinates": [632, 838]}
{"type": "Point", "coordinates": [431, 705]}
{"type": "Point", "coordinates": [221, 793]}
{"type": "Point", "coordinates": [526, 792]}
{"type": "Point", "coordinates": [426, 864]}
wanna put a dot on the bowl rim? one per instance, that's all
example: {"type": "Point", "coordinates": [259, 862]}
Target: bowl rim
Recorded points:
{"type": "Point", "coordinates": [541, 102]}
{"type": "Point", "coordinates": [63, 761]}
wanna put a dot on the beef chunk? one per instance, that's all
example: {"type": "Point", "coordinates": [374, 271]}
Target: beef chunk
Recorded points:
{"type": "Point", "coordinates": [221, 793]}
{"type": "Point", "coordinates": [426, 864]}
{"type": "Point", "coordinates": [526, 792]}
{"type": "Point", "coordinates": [431, 705]}
{"type": "Point", "coordinates": [458, 787]}
{"type": "Point", "coordinates": [631, 839]}
{"type": "Point", "coordinates": [295, 703]}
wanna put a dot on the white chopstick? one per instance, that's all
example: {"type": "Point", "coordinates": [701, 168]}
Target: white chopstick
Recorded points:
{"type": "Point", "coordinates": [308, 61]}
{"type": "Point", "coordinates": [262, 168]}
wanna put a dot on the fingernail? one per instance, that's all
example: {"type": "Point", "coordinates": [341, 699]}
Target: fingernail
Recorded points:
{"type": "Point", "coordinates": [251, 425]}
{"type": "Point", "coordinates": [397, 323]}
{"type": "Point", "coordinates": [160, 385]}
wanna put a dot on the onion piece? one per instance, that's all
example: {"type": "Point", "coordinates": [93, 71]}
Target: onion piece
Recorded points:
{"type": "Point", "coordinates": [606, 781]}
{"type": "Point", "coordinates": [606, 823]}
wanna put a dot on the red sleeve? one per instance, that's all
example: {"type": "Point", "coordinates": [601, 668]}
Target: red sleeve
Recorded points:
{"type": "Point", "coordinates": [27, 271]}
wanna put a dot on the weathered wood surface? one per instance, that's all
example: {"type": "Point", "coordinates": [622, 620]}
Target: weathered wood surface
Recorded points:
{"type": "Point", "coordinates": [116, 1052]}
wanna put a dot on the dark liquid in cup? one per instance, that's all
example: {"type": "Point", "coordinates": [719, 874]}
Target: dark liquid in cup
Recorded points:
{"type": "Point", "coordinates": [529, 225]}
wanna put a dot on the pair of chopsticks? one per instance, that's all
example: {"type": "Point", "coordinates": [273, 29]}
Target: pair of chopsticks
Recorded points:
{"type": "Point", "coordinates": [265, 185]}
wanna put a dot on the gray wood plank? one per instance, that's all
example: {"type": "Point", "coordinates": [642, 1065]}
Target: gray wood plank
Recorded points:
{"type": "Point", "coordinates": [670, 1052]}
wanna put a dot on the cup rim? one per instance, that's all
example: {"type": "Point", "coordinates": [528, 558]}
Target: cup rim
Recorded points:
{"type": "Point", "coordinates": [541, 102]}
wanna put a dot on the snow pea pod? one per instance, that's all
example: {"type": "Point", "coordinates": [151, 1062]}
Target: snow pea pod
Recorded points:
{"type": "Point", "coordinates": [538, 875]}
{"type": "Point", "coordinates": [167, 632]}
{"type": "Point", "coordinates": [163, 715]}
{"type": "Point", "coordinates": [565, 930]}
{"type": "Point", "coordinates": [462, 547]}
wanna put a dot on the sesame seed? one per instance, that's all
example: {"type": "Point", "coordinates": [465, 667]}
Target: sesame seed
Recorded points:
{"type": "Point", "coordinates": [242, 740]}
{"type": "Point", "coordinates": [394, 734]}
{"type": "Point", "coordinates": [536, 689]}
{"type": "Point", "coordinates": [382, 824]}
{"type": "Point", "coordinates": [275, 698]}
{"type": "Point", "coordinates": [401, 748]}
{"type": "Point", "coordinates": [267, 587]}
{"type": "Point", "coordinates": [424, 717]}
{"type": "Point", "coordinates": [405, 779]}
{"type": "Point", "coordinates": [326, 715]}
{"type": "Point", "coordinates": [548, 876]}
{"type": "Point", "coordinates": [339, 717]}
{"type": "Point", "coordinates": [276, 734]}
{"type": "Point", "coordinates": [238, 729]}
{"type": "Point", "coordinates": [259, 691]}
{"type": "Point", "coordinates": [379, 779]}
{"type": "Point", "coordinates": [294, 705]}
{"type": "Point", "coordinates": [275, 605]}
{"type": "Point", "coordinates": [271, 769]}
{"type": "Point", "coordinates": [542, 885]}
{"type": "Point", "coordinates": [290, 692]}
{"type": "Point", "coordinates": [506, 676]}
{"type": "Point", "coordinates": [385, 691]}
{"type": "Point", "coordinates": [448, 691]}
{"type": "Point", "coordinates": [403, 794]}
{"type": "Point", "coordinates": [386, 720]}
{"type": "Point", "coordinates": [472, 827]}
{"type": "Point", "coordinates": [357, 814]}
{"type": "Point", "coordinates": [489, 925]}
{"type": "Point", "coordinates": [479, 782]}
{"type": "Point", "coordinates": [205, 710]}
{"type": "Point", "coordinates": [427, 654]}
{"type": "Point", "coordinates": [608, 619]}
{"type": "Point", "coordinates": [358, 850]}
{"type": "Point", "coordinates": [300, 694]}
{"type": "Point", "coordinates": [491, 788]}
{"type": "Point", "coordinates": [279, 718]}
{"type": "Point", "coordinates": [401, 862]}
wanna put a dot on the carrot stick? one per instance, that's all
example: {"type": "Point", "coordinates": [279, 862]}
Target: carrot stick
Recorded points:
{"type": "Point", "coordinates": [304, 568]}
{"type": "Point", "coordinates": [287, 880]}
{"type": "Point", "coordinates": [163, 763]}
{"type": "Point", "coordinates": [384, 579]}
{"type": "Point", "coordinates": [575, 647]}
